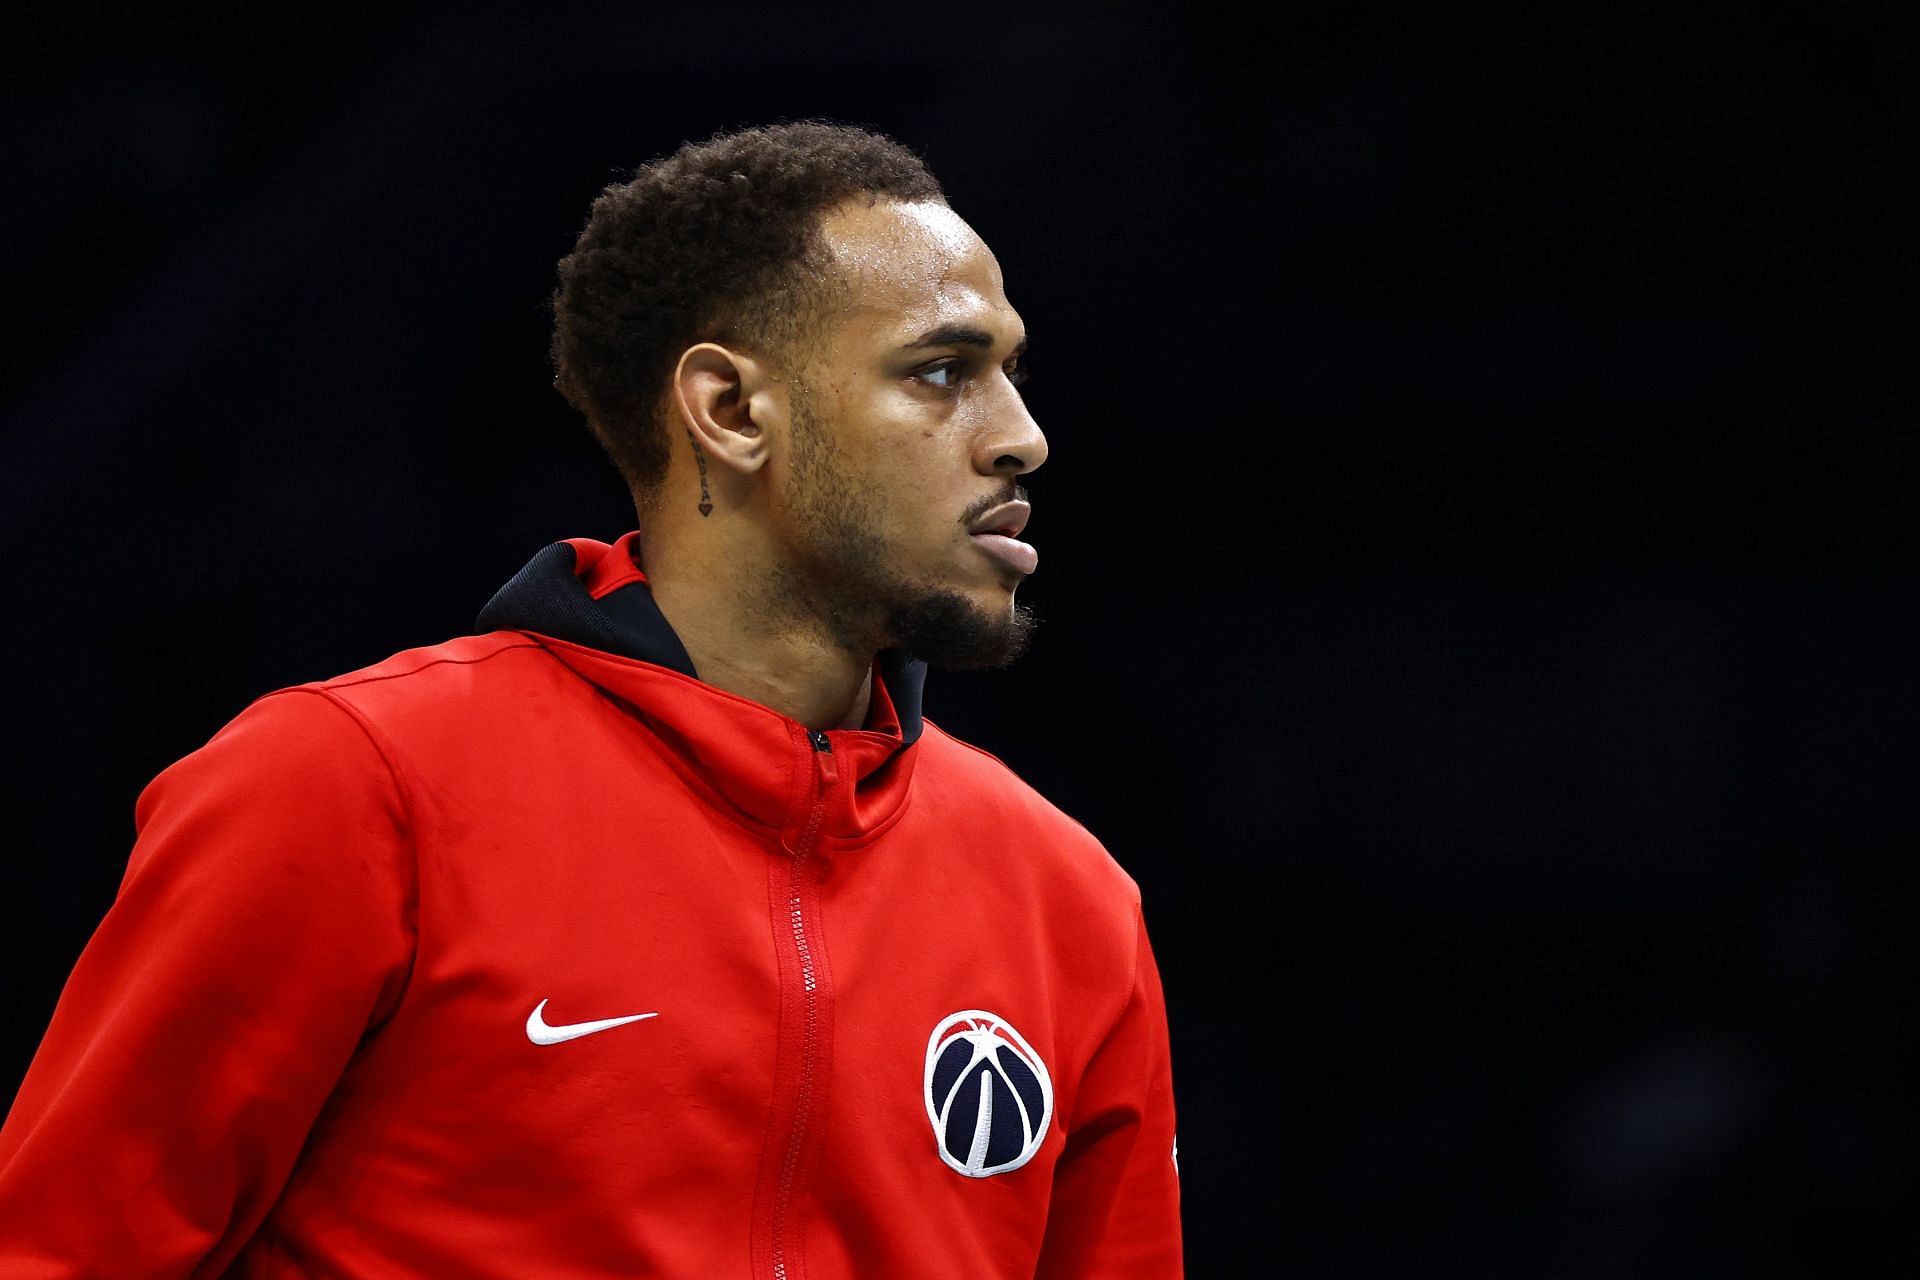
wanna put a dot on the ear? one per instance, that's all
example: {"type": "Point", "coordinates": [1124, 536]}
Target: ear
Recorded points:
{"type": "Point", "coordinates": [723, 399]}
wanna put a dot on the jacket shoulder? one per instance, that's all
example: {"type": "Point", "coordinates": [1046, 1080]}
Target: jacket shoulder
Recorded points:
{"type": "Point", "coordinates": [436, 677]}
{"type": "Point", "coordinates": [1057, 844]}
{"type": "Point", "coordinates": [427, 664]}
{"type": "Point", "coordinates": [434, 694]}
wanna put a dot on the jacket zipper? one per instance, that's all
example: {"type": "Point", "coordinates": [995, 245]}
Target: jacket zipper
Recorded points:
{"type": "Point", "coordinates": [810, 988]}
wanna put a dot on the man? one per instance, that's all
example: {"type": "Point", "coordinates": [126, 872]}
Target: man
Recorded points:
{"type": "Point", "coordinates": [651, 931]}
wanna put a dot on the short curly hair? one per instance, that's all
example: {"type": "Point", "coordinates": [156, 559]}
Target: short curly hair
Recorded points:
{"type": "Point", "coordinates": [719, 241]}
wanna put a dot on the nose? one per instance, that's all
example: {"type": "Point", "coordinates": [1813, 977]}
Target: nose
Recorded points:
{"type": "Point", "coordinates": [1012, 444]}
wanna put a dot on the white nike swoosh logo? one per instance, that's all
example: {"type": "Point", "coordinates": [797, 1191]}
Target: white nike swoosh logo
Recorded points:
{"type": "Point", "coordinates": [540, 1033]}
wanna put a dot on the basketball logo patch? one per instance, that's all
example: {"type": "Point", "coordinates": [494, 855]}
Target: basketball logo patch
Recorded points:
{"type": "Point", "coordinates": [988, 1094]}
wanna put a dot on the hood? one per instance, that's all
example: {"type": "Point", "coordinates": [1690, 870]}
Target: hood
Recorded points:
{"type": "Point", "coordinates": [589, 604]}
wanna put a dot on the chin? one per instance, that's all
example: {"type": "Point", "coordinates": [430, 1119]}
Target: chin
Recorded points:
{"type": "Point", "coordinates": [957, 631]}
{"type": "Point", "coordinates": [997, 600]}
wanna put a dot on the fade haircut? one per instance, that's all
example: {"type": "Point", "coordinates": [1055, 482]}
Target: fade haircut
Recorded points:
{"type": "Point", "coordinates": [719, 242]}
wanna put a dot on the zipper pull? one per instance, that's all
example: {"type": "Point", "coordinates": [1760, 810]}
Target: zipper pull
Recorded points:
{"type": "Point", "coordinates": [824, 760]}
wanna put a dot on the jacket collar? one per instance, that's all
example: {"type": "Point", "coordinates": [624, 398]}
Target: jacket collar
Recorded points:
{"type": "Point", "coordinates": [588, 604]}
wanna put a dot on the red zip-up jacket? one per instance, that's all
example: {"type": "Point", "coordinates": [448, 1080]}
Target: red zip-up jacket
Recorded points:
{"type": "Point", "coordinates": [530, 955]}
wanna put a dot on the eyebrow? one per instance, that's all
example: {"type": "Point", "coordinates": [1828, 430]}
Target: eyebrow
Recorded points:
{"type": "Point", "coordinates": [960, 335]}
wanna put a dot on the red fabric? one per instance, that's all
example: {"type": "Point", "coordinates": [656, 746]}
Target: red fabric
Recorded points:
{"type": "Point", "coordinates": [609, 568]}
{"type": "Point", "coordinates": [297, 1043]}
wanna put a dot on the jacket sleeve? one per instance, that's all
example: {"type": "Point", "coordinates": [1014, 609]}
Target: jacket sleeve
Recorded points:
{"type": "Point", "coordinates": [1115, 1213]}
{"type": "Point", "coordinates": [263, 925]}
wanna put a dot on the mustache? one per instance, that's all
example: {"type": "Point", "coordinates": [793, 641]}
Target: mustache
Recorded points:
{"type": "Point", "coordinates": [1012, 493]}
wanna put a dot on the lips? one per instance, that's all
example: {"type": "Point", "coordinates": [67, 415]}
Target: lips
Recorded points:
{"type": "Point", "coordinates": [997, 534]}
{"type": "Point", "coordinates": [1009, 518]}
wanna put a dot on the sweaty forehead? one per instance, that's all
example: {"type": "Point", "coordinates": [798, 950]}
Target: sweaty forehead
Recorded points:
{"type": "Point", "coordinates": [913, 266]}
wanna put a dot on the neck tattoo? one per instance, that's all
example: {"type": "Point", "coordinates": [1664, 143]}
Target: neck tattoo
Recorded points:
{"type": "Point", "coordinates": [700, 459]}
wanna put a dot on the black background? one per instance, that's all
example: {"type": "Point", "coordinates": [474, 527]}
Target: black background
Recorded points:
{"type": "Point", "coordinates": [1477, 578]}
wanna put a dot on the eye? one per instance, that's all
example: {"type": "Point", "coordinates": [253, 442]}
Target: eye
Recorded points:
{"type": "Point", "coordinates": [948, 374]}
{"type": "Point", "coordinates": [945, 375]}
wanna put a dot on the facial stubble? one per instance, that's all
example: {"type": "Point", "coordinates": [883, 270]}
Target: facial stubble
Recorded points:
{"type": "Point", "coordinates": [841, 572]}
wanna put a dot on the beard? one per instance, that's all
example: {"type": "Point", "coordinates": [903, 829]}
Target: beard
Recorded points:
{"type": "Point", "coordinates": [840, 573]}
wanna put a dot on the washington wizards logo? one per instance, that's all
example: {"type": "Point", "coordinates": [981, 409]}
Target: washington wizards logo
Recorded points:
{"type": "Point", "coordinates": [988, 1094]}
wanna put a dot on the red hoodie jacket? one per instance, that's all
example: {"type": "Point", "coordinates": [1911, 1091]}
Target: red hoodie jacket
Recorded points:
{"type": "Point", "coordinates": [528, 954]}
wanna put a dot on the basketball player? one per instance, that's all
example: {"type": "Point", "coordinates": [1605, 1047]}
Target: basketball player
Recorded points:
{"type": "Point", "coordinates": [651, 930]}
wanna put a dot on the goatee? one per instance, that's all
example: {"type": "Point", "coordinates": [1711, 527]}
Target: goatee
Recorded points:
{"type": "Point", "coordinates": [948, 632]}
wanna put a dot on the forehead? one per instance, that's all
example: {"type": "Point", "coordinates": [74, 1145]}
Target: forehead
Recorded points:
{"type": "Point", "coordinates": [913, 267]}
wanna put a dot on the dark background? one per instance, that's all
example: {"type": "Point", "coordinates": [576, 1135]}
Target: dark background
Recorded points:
{"type": "Point", "coordinates": [1478, 584]}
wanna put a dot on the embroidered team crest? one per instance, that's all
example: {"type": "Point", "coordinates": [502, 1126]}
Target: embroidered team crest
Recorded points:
{"type": "Point", "coordinates": [988, 1094]}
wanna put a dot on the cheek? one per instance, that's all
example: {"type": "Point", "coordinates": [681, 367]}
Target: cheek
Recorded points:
{"type": "Point", "coordinates": [911, 455]}
{"type": "Point", "coordinates": [906, 495]}
{"type": "Point", "coordinates": [932, 469]}
{"type": "Point", "coordinates": [910, 461]}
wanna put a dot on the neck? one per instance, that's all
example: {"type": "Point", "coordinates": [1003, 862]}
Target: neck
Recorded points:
{"type": "Point", "coordinates": [737, 643]}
